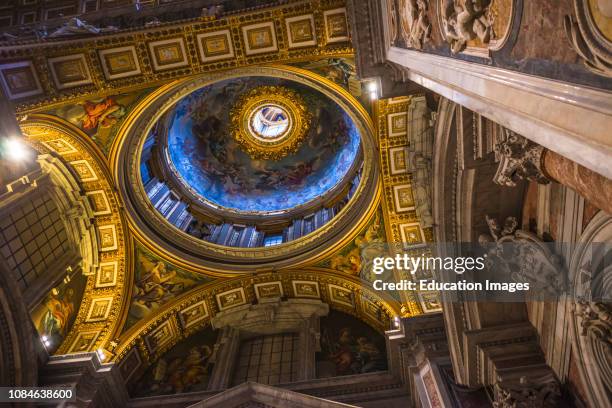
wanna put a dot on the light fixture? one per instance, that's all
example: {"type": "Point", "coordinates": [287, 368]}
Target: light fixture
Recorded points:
{"type": "Point", "coordinates": [101, 354]}
{"type": "Point", "coordinates": [396, 321]}
{"type": "Point", "coordinates": [14, 149]}
{"type": "Point", "coordinates": [45, 341]}
{"type": "Point", "coordinates": [372, 88]}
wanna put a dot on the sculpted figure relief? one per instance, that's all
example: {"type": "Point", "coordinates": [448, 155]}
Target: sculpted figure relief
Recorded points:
{"type": "Point", "coordinates": [466, 20]}
{"type": "Point", "coordinates": [596, 320]}
{"type": "Point", "coordinates": [522, 257]}
{"type": "Point", "coordinates": [528, 393]}
{"type": "Point", "coordinates": [414, 22]}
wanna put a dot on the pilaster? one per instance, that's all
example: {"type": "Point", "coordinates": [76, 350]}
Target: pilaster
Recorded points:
{"type": "Point", "coordinates": [96, 384]}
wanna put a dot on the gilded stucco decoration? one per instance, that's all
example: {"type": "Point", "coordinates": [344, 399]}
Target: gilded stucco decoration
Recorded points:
{"type": "Point", "coordinates": [355, 259]}
{"type": "Point", "coordinates": [59, 70]}
{"type": "Point", "coordinates": [156, 282]}
{"type": "Point", "coordinates": [215, 258]}
{"type": "Point", "coordinates": [145, 342]}
{"type": "Point", "coordinates": [100, 314]}
{"type": "Point", "coordinates": [287, 122]}
{"type": "Point", "coordinates": [403, 125]}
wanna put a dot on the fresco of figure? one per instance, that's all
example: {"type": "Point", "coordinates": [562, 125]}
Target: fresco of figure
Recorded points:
{"type": "Point", "coordinates": [349, 346]}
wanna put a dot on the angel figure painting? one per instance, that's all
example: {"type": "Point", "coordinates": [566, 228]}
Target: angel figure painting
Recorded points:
{"type": "Point", "coordinates": [157, 282]}
{"type": "Point", "coordinates": [185, 368]}
{"type": "Point", "coordinates": [99, 117]}
{"type": "Point", "coordinates": [356, 258]}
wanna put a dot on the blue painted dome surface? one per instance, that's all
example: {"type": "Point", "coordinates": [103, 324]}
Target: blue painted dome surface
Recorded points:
{"type": "Point", "coordinates": [206, 158]}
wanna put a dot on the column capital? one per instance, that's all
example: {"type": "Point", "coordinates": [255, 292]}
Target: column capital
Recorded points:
{"type": "Point", "coordinates": [519, 158]}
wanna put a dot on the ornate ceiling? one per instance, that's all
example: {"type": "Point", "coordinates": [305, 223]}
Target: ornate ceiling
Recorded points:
{"type": "Point", "coordinates": [97, 125]}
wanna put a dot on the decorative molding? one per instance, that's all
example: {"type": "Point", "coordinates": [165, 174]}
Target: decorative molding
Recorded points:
{"type": "Point", "coordinates": [590, 322]}
{"type": "Point", "coordinates": [535, 107]}
{"type": "Point", "coordinates": [109, 268]}
{"type": "Point", "coordinates": [196, 254]}
{"type": "Point", "coordinates": [528, 392]}
{"type": "Point", "coordinates": [125, 60]}
{"type": "Point", "coordinates": [367, 304]}
{"type": "Point", "coordinates": [20, 80]}
{"type": "Point", "coordinates": [402, 125]}
{"type": "Point", "coordinates": [291, 105]}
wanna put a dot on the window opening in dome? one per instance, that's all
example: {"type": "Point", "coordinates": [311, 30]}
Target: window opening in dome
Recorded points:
{"type": "Point", "coordinates": [270, 121]}
{"type": "Point", "coordinates": [273, 240]}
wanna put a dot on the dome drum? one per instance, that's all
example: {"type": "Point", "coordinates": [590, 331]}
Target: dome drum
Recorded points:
{"type": "Point", "coordinates": [208, 172]}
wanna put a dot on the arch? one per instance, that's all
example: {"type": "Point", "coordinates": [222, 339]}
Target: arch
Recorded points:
{"type": "Point", "coordinates": [110, 268]}
{"type": "Point", "coordinates": [18, 367]}
{"type": "Point", "coordinates": [464, 194]}
{"type": "Point", "coordinates": [591, 275]}
{"type": "Point", "coordinates": [375, 309]}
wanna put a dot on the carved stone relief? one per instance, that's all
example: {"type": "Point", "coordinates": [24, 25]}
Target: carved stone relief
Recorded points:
{"type": "Point", "coordinates": [523, 257]}
{"type": "Point", "coordinates": [590, 34]}
{"type": "Point", "coordinates": [464, 21]}
{"type": "Point", "coordinates": [591, 323]}
{"type": "Point", "coordinates": [528, 393]}
{"type": "Point", "coordinates": [596, 321]}
{"type": "Point", "coordinates": [475, 26]}
{"type": "Point", "coordinates": [414, 22]}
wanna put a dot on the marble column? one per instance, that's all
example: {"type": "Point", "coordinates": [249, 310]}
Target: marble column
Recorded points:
{"type": "Point", "coordinates": [225, 353]}
{"type": "Point", "coordinates": [594, 187]}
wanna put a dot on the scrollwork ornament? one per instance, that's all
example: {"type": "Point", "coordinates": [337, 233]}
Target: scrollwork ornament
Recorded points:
{"type": "Point", "coordinates": [522, 257]}
{"type": "Point", "coordinates": [586, 37]}
{"type": "Point", "coordinates": [596, 320]}
{"type": "Point", "coordinates": [543, 392]}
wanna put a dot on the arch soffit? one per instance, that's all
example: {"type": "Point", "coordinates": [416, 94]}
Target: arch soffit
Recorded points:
{"type": "Point", "coordinates": [590, 351]}
{"type": "Point", "coordinates": [52, 134]}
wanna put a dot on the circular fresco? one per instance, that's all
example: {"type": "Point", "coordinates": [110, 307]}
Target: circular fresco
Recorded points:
{"type": "Point", "coordinates": [209, 161]}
